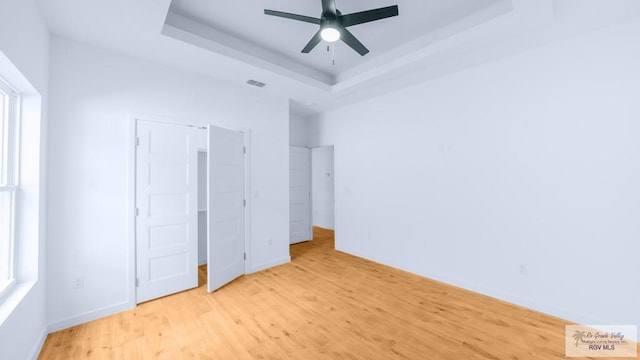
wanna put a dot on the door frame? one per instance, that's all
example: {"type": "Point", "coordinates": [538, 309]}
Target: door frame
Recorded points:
{"type": "Point", "coordinates": [131, 195]}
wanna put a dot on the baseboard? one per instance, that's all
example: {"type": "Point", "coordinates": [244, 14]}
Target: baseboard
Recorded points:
{"type": "Point", "coordinates": [114, 309]}
{"type": "Point", "coordinates": [89, 316]}
{"type": "Point", "coordinates": [542, 308]}
{"type": "Point", "coordinates": [322, 228]}
{"type": "Point", "coordinates": [270, 264]}
{"type": "Point", "coordinates": [38, 347]}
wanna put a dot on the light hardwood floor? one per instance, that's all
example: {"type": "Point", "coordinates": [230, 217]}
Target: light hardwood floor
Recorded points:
{"type": "Point", "coordinates": [323, 305]}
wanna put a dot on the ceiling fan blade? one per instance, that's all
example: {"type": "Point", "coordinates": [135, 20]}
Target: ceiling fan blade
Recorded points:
{"type": "Point", "coordinates": [292, 16]}
{"type": "Point", "coordinates": [329, 6]}
{"type": "Point", "coordinates": [354, 43]}
{"type": "Point", "coordinates": [369, 15]}
{"type": "Point", "coordinates": [315, 40]}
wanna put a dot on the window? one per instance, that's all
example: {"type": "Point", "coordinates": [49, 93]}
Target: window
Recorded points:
{"type": "Point", "coordinates": [8, 182]}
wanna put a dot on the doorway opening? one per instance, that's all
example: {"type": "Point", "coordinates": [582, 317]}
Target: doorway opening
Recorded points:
{"type": "Point", "coordinates": [311, 199]}
{"type": "Point", "coordinates": [190, 207]}
{"type": "Point", "coordinates": [323, 192]}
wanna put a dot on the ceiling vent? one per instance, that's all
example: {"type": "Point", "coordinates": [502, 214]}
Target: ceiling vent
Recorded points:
{"type": "Point", "coordinates": [256, 83]}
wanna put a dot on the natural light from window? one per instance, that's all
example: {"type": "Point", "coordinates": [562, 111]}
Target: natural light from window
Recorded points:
{"type": "Point", "coordinates": [8, 183]}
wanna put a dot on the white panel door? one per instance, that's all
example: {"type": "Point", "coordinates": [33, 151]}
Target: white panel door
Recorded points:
{"type": "Point", "coordinates": [225, 207]}
{"type": "Point", "coordinates": [166, 201]}
{"type": "Point", "coordinates": [299, 195]}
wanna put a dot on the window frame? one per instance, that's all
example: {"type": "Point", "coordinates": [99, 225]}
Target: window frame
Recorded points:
{"type": "Point", "coordinates": [9, 181]}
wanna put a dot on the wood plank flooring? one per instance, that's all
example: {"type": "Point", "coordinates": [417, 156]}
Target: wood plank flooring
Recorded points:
{"type": "Point", "coordinates": [323, 305]}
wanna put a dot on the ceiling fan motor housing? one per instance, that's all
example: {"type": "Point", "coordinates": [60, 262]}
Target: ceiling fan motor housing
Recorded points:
{"type": "Point", "coordinates": [330, 23]}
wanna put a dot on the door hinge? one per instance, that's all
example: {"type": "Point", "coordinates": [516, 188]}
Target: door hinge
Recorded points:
{"type": "Point", "coordinates": [137, 141]}
{"type": "Point", "coordinates": [245, 256]}
{"type": "Point", "coordinates": [137, 212]}
{"type": "Point", "coordinates": [244, 149]}
{"type": "Point", "coordinates": [244, 203]}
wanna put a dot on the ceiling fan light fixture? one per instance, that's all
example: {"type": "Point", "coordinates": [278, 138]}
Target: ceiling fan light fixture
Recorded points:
{"type": "Point", "coordinates": [330, 34]}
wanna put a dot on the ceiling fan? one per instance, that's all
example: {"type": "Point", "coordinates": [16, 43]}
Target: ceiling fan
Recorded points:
{"type": "Point", "coordinates": [333, 25]}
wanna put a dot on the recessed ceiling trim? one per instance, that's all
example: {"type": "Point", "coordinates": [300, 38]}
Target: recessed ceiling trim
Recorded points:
{"type": "Point", "coordinates": [187, 30]}
{"type": "Point", "coordinates": [426, 45]}
{"type": "Point", "coordinates": [481, 29]}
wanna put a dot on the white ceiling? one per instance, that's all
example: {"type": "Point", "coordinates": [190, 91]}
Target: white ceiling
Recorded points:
{"type": "Point", "coordinates": [245, 22]}
{"type": "Point", "coordinates": [235, 41]}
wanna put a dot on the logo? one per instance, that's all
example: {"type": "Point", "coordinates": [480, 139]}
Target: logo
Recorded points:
{"type": "Point", "coordinates": [601, 341]}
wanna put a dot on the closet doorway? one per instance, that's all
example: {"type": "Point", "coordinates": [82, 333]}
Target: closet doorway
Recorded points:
{"type": "Point", "coordinates": [169, 206]}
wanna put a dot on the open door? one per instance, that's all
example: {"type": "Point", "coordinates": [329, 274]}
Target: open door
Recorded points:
{"type": "Point", "coordinates": [299, 195]}
{"type": "Point", "coordinates": [225, 208]}
{"type": "Point", "coordinates": [166, 207]}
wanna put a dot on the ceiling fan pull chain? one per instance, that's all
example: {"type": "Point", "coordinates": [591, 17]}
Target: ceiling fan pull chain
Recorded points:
{"type": "Point", "coordinates": [333, 55]}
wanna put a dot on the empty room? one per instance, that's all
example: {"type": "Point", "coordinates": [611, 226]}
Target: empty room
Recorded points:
{"type": "Point", "coordinates": [319, 179]}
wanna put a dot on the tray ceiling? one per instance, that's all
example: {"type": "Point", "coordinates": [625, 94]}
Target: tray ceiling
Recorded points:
{"type": "Point", "coordinates": [241, 27]}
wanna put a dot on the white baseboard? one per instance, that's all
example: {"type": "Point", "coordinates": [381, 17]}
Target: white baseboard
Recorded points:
{"type": "Point", "coordinates": [322, 227]}
{"type": "Point", "coordinates": [547, 309]}
{"type": "Point", "coordinates": [202, 261]}
{"type": "Point", "coordinates": [89, 316]}
{"type": "Point", "coordinates": [38, 347]}
{"type": "Point", "coordinates": [113, 309]}
{"type": "Point", "coordinates": [270, 264]}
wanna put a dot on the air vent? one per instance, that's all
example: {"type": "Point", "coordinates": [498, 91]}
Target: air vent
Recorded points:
{"type": "Point", "coordinates": [256, 83]}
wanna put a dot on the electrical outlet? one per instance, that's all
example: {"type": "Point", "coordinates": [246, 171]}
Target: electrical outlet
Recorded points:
{"type": "Point", "coordinates": [523, 270]}
{"type": "Point", "coordinates": [78, 283]}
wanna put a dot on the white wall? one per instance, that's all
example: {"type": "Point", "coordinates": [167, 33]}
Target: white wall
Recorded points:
{"type": "Point", "coordinates": [93, 91]}
{"type": "Point", "coordinates": [531, 160]}
{"type": "Point", "coordinates": [322, 186]}
{"type": "Point", "coordinates": [298, 128]}
{"type": "Point", "coordinates": [24, 42]}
